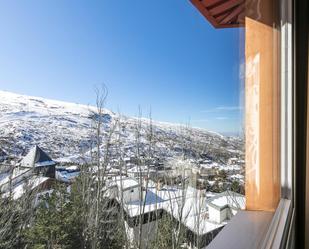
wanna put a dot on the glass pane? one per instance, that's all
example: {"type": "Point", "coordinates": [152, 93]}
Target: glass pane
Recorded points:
{"type": "Point", "coordinates": [157, 156]}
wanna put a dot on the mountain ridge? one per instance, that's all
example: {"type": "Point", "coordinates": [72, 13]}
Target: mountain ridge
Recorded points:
{"type": "Point", "coordinates": [63, 129]}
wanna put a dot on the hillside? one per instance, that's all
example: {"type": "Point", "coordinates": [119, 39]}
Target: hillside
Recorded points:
{"type": "Point", "coordinates": [65, 130]}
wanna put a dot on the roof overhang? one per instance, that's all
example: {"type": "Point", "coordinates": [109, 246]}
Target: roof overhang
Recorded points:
{"type": "Point", "coordinates": [222, 13]}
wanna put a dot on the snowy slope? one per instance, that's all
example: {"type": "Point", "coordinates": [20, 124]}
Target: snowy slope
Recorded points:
{"type": "Point", "coordinates": [65, 130]}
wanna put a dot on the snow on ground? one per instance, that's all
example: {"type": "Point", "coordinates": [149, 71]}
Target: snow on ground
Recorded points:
{"type": "Point", "coordinates": [5, 177]}
{"type": "Point", "coordinates": [66, 176]}
{"type": "Point", "coordinates": [65, 130]}
{"type": "Point", "coordinates": [228, 198]}
{"type": "Point", "coordinates": [189, 204]}
{"type": "Point", "coordinates": [19, 189]}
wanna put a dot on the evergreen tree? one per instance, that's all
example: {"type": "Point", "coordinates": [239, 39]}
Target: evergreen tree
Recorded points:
{"type": "Point", "coordinates": [54, 225]}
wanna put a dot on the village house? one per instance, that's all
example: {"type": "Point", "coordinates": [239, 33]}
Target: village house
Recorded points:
{"type": "Point", "coordinates": [192, 208]}
{"type": "Point", "coordinates": [224, 206]}
{"type": "Point", "coordinates": [205, 169]}
{"type": "Point", "coordinates": [141, 171]}
{"type": "Point", "coordinates": [39, 162]}
{"type": "Point", "coordinates": [35, 172]}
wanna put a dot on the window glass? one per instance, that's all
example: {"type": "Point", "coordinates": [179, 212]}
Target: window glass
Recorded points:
{"type": "Point", "coordinates": [135, 124]}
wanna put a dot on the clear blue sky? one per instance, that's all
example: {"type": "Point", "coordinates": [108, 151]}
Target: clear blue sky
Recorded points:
{"type": "Point", "coordinates": [161, 54]}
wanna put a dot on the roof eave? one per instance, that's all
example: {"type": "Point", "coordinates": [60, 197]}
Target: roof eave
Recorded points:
{"type": "Point", "coordinates": [214, 22]}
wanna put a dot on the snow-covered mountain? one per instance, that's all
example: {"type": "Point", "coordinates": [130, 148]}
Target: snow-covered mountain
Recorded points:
{"type": "Point", "coordinates": [65, 130]}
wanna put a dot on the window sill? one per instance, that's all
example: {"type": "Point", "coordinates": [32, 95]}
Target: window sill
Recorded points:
{"type": "Point", "coordinates": [254, 229]}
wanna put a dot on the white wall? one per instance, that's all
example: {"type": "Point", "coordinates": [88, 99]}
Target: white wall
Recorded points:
{"type": "Point", "coordinates": [217, 215]}
{"type": "Point", "coordinates": [132, 194]}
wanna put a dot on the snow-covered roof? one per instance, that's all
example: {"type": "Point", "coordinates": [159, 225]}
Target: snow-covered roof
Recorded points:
{"type": "Point", "coordinates": [237, 176]}
{"type": "Point", "coordinates": [72, 168]}
{"type": "Point", "coordinates": [227, 199]}
{"type": "Point", "coordinates": [36, 157]}
{"type": "Point", "coordinates": [154, 200]}
{"type": "Point", "coordinates": [140, 169]}
{"type": "Point", "coordinates": [186, 205]}
{"type": "Point", "coordinates": [126, 183]}
{"type": "Point", "coordinates": [32, 183]}
{"type": "Point", "coordinates": [230, 167]}
{"type": "Point", "coordinates": [171, 200]}
{"type": "Point", "coordinates": [207, 166]}
{"type": "Point", "coordinates": [5, 177]}
{"type": "Point", "coordinates": [66, 176]}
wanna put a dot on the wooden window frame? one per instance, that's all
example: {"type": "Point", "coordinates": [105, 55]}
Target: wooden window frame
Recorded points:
{"type": "Point", "coordinates": [270, 132]}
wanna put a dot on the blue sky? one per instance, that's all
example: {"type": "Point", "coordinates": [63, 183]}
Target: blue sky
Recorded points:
{"type": "Point", "coordinates": [158, 54]}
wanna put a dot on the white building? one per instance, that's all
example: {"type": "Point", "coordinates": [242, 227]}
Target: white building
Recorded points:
{"type": "Point", "coordinates": [35, 163]}
{"type": "Point", "coordinates": [140, 171]}
{"type": "Point", "coordinates": [238, 177]}
{"type": "Point", "coordinates": [34, 183]}
{"type": "Point", "coordinates": [125, 189]}
{"type": "Point", "coordinates": [224, 206]}
{"type": "Point", "coordinates": [207, 169]}
{"type": "Point", "coordinates": [195, 209]}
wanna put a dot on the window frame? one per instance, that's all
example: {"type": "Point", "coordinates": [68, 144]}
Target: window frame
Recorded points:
{"type": "Point", "coordinates": [280, 229]}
